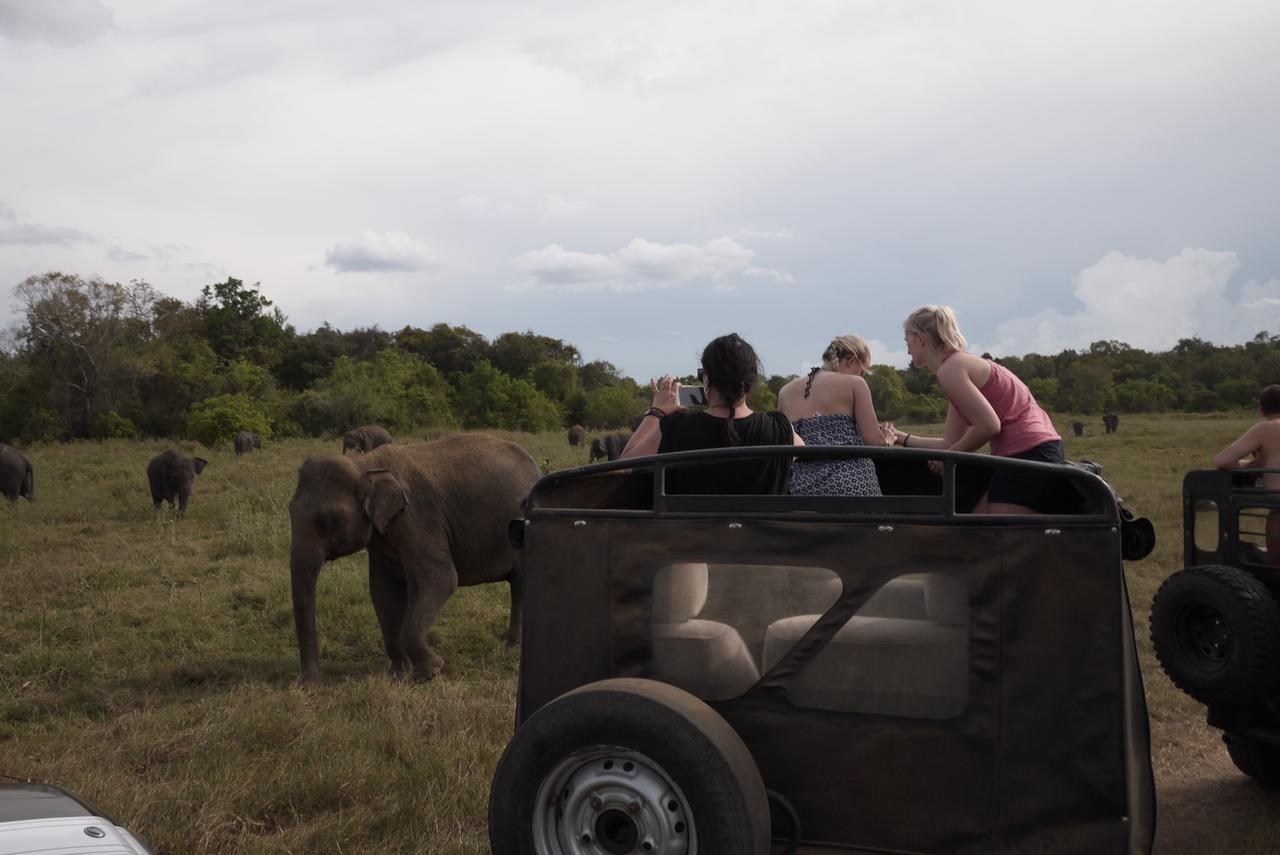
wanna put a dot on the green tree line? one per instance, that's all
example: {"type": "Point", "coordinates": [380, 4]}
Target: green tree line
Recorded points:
{"type": "Point", "coordinates": [95, 359]}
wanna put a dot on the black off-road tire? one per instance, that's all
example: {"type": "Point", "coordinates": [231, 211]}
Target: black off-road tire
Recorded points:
{"type": "Point", "coordinates": [1259, 760]}
{"type": "Point", "coordinates": [690, 784]}
{"type": "Point", "coordinates": [1216, 632]}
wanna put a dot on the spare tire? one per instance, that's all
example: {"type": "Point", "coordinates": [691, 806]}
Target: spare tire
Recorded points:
{"type": "Point", "coordinates": [1257, 759]}
{"type": "Point", "coordinates": [627, 765]}
{"type": "Point", "coordinates": [1216, 632]}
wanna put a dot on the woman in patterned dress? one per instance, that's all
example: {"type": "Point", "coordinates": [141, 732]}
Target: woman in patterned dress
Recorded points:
{"type": "Point", "coordinates": [832, 406]}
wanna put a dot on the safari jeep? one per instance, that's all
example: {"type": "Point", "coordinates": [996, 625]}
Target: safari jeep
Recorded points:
{"type": "Point", "coordinates": [1215, 625]}
{"type": "Point", "coordinates": [809, 674]}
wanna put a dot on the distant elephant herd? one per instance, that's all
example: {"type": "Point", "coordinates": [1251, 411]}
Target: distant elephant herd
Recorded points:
{"type": "Point", "coordinates": [432, 516]}
{"type": "Point", "coordinates": [607, 447]}
{"type": "Point", "coordinates": [1110, 423]}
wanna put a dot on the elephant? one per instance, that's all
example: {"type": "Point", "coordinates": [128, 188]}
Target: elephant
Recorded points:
{"type": "Point", "coordinates": [577, 435]}
{"type": "Point", "coordinates": [432, 516]}
{"type": "Point", "coordinates": [247, 441]}
{"type": "Point", "coordinates": [1111, 422]}
{"type": "Point", "coordinates": [171, 474]}
{"type": "Point", "coordinates": [610, 445]}
{"type": "Point", "coordinates": [365, 438]}
{"type": "Point", "coordinates": [1078, 428]}
{"type": "Point", "coordinates": [17, 475]}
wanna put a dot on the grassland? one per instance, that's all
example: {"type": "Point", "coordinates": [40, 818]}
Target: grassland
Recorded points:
{"type": "Point", "coordinates": [149, 663]}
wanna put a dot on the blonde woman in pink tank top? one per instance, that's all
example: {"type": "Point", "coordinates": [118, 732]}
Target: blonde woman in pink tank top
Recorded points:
{"type": "Point", "coordinates": [988, 404]}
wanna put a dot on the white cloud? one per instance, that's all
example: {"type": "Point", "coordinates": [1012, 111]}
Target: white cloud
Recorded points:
{"type": "Point", "coordinates": [373, 252]}
{"type": "Point", "coordinates": [59, 22]}
{"type": "Point", "coordinates": [644, 264]}
{"type": "Point", "coordinates": [482, 206]}
{"type": "Point", "coordinates": [17, 233]}
{"type": "Point", "coordinates": [1149, 304]}
{"type": "Point", "coordinates": [558, 207]}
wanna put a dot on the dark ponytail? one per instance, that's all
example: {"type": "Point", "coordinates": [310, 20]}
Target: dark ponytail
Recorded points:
{"type": "Point", "coordinates": [732, 369]}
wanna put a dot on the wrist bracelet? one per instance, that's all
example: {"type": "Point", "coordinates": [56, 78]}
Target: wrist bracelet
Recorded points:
{"type": "Point", "coordinates": [655, 411]}
{"type": "Point", "coordinates": [904, 440]}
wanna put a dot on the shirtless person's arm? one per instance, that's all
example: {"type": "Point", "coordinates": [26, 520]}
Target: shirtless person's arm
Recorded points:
{"type": "Point", "coordinates": [1253, 444]}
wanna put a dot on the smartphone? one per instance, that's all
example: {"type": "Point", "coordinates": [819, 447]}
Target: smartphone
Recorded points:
{"type": "Point", "coordinates": [693, 396]}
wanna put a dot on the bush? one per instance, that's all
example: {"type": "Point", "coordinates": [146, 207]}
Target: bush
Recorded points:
{"type": "Point", "coordinates": [216, 420]}
{"type": "Point", "coordinates": [112, 425]}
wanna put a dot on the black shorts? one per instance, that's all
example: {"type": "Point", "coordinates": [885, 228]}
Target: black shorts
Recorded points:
{"type": "Point", "coordinates": [1042, 492]}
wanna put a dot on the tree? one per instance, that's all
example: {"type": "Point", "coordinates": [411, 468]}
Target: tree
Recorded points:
{"type": "Point", "coordinates": [237, 324]}
{"type": "Point", "coordinates": [888, 392]}
{"type": "Point", "coordinates": [82, 338]}
{"type": "Point", "coordinates": [517, 354]}
{"type": "Point", "coordinates": [216, 420]}
{"type": "Point", "coordinates": [453, 350]}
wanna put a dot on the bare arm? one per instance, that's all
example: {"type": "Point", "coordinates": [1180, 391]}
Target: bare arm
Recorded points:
{"type": "Point", "coordinates": [1231, 457]}
{"type": "Point", "coordinates": [984, 424]}
{"type": "Point", "coordinates": [864, 413]}
{"type": "Point", "coordinates": [647, 438]}
{"type": "Point", "coordinates": [954, 429]}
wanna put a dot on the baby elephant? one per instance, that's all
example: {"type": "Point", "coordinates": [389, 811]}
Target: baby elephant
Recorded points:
{"type": "Point", "coordinates": [610, 445]}
{"type": "Point", "coordinates": [17, 476]}
{"type": "Point", "coordinates": [171, 474]}
{"type": "Point", "coordinates": [365, 438]}
{"type": "Point", "coordinates": [247, 441]}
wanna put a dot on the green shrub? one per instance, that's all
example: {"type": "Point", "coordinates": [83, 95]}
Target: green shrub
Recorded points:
{"type": "Point", "coordinates": [112, 425]}
{"type": "Point", "coordinates": [216, 420]}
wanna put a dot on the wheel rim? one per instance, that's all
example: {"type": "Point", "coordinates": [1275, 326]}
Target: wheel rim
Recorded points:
{"type": "Point", "coordinates": [1204, 636]}
{"type": "Point", "coordinates": [607, 800]}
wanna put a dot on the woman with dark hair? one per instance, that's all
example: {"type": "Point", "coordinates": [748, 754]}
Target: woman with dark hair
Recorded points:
{"type": "Point", "coordinates": [730, 370]}
{"type": "Point", "coordinates": [832, 406]}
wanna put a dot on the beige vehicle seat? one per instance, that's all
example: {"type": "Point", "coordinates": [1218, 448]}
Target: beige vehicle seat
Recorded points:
{"type": "Point", "coordinates": [704, 657]}
{"type": "Point", "coordinates": [887, 665]}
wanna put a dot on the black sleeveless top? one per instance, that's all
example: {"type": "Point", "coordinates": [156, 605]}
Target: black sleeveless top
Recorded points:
{"type": "Point", "coordinates": [686, 431]}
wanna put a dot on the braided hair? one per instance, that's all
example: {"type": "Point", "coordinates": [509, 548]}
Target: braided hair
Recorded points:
{"type": "Point", "coordinates": [841, 347]}
{"type": "Point", "coordinates": [732, 369]}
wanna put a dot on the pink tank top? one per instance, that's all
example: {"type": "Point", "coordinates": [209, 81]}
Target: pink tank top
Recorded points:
{"type": "Point", "coordinates": [1023, 423]}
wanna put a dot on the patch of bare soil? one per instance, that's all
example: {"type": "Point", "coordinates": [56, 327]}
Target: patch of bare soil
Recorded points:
{"type": "Point", "coordinates": [1206, 805]}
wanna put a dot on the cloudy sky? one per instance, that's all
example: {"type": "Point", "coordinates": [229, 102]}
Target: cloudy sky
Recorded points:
{"type": "Point", "coordinates": [639, 177]}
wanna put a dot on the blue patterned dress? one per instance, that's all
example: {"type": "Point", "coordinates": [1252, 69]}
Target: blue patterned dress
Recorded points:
{"type": "Point", "coordinates": [851, 477]}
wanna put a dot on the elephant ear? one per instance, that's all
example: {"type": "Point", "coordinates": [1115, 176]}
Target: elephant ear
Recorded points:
{"type": "Point", "coordinates": [384, 498]}
{"type": "Point", "coordinates": [200, 463]}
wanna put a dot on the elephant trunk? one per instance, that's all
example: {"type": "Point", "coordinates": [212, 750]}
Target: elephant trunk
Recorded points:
{"type": "Point", "coordinates": [305, 563]}
{"type": "Point", "coordinates": [29, 483]}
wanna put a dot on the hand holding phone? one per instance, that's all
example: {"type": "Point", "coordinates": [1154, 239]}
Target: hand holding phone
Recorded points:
{"type": "Point", "coordinates": [693, 396]}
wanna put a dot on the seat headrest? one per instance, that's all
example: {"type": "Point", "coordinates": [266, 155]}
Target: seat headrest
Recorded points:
{"type": "Point", "coordinates": [679, 592]}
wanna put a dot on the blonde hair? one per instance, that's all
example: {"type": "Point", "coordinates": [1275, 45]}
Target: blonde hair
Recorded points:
{"type": "Point", "coordinates": [844, 346]}
{"type": "Point", "coordinates": [939, 324]}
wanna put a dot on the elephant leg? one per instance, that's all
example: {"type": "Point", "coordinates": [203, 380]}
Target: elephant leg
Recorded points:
{"type": "Point", "coordinates": [387, 588]}
{"type": "Point", "coordinates": [428, 593]}
{"type": "Point", "coordinates": [516, 582]}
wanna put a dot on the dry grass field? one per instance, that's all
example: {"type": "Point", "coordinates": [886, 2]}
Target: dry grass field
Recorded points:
{"type": "Point", "coordinates": [149, 663]}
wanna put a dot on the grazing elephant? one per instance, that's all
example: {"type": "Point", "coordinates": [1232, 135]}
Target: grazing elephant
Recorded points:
{"type": "Point", "coordinates": [247, 441]}
{"type": "Point", "coordinates": [365, 438]}
{"type": "Point", "coordinates": [171, 474]}
{"type": "Point", "coordinates": [1078, 427]}
{"type": "Point", "coordinates": [432, 516]}
{"type": "Point", "coordinates": [577, 435]}
{"type": "Point", "coordinates": [610, 445]}
{"type": "Point", "coordinates": [1111, 422]}
{"type": "Point", "coordinates": [17, 475]}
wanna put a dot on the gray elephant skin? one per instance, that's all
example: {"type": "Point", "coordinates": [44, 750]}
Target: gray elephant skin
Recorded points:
{"type": "Point", "coordinates": [247, 441]}
{"type": "Point", "coordinates": [17, 475]}
{"type": "Point", "coordinates": [610, 445]}
{"type": "Point", "coordinates": [432, 516]}
{"type": "Point", "coordinates": [365, 438]}
{"type": "Point", "coordinates": [1111, 422]}
{"type": "Point", "coordinates": [577, 435]}
{"type": "Point", "coordinates": [171, 475]}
